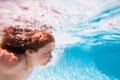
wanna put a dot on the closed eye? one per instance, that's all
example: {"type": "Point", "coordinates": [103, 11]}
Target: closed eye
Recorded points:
{"type": "Point", "coordinates": [48, 53]}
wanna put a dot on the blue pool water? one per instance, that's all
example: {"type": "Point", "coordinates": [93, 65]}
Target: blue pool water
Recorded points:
{"type": "Point", "coordinates": [87, 34]}
{"type": "Point", "coordinates": [94, 49]}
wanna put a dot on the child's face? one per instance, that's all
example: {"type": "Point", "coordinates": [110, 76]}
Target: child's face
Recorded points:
{"type": "Point", "coordinates": [44, 55]}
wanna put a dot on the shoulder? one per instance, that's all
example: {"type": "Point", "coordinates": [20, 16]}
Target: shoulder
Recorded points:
{"type": "Point", "coordinates": [7, 58]}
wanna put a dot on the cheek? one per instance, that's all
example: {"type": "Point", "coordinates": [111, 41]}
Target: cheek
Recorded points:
{"type": "Point", "coordinates": [45, 58]}
{"type": "Point", "coordinates": [48, 55]}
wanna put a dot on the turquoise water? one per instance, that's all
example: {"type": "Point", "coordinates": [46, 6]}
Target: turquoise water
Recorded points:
{"type": "Point", "coordinates": [94, 53]}
{"type": "Point", "coordinates": [87, 37]}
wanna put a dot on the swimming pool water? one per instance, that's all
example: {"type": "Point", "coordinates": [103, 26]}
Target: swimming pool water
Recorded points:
{"type": "Point", "coordinates": [87, 36]}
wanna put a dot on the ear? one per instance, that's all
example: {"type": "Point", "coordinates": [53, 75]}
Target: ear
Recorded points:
{"type": "Point", "coordinates": [29, 52]}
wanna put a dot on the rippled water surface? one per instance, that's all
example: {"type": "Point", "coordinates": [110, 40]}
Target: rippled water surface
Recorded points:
{"type": "Point", "coordinates": [87, 34]}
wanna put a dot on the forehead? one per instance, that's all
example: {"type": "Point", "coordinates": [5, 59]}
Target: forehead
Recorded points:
{"type": "Point", "coordinates": [48, 47]}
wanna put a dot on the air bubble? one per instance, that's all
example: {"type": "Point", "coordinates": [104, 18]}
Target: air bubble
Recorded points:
{"type": "Point", "coordinates": [22, 44]}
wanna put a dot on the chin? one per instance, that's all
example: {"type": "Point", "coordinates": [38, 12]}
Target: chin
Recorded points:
{"type": "Point", "coordinates": [44, 64]}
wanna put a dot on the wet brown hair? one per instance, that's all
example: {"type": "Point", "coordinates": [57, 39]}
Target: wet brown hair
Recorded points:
{"type": "Point", "coordinates": [18, 40]}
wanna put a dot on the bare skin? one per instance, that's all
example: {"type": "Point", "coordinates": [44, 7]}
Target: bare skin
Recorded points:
{"type": "Point", "coordinates": [19, 68]}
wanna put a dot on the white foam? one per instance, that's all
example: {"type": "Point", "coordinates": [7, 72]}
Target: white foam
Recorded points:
{"type": "Point", "coordinates": [64, 38]}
